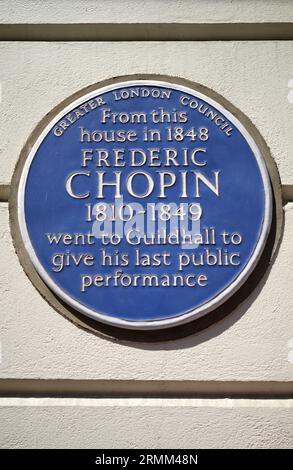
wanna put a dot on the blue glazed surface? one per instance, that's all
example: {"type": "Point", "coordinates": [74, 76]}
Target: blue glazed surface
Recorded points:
{"type": "Point", "coordinates": [48, 208]}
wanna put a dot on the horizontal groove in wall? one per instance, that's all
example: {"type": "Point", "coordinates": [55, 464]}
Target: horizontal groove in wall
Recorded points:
{"type": "Point", "coordinates": [287, 193]}
{"type": "Point", "coordinates": [4, 192]}
{"type": "Point", "coordinates": [147, 32]}
{"type": "Point", "coordinates": [144, 388]}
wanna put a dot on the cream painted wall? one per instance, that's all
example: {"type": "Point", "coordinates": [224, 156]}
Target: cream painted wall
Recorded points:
{"type": "Point", "coordinates": [148, 423]}
{"type": "Point", "coordinates": [150, 11]}
{"type": "Point", "coordinates": [251, 344]}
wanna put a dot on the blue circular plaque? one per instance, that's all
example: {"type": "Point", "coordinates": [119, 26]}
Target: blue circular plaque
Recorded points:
{"type": "Point", "coordinates": [144, 204]}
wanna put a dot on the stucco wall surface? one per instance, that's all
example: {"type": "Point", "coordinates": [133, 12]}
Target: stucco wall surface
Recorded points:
{"type": "Point", "coordinates": [254, 76]}
{"type": "Point", "coordinates": [252, 344]}
{"type": "Point", "coordinates": [152, 11]}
